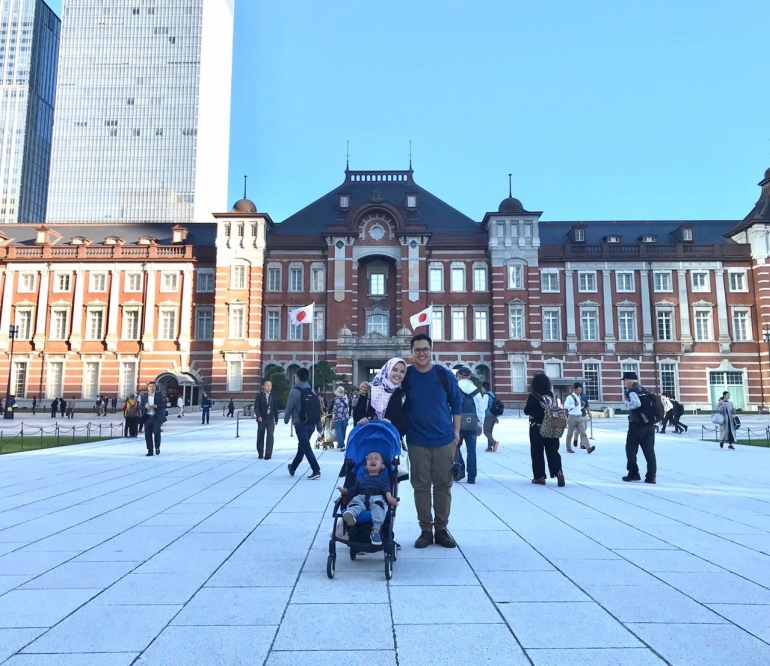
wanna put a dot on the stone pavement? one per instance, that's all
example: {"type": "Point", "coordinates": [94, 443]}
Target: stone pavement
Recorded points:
{"type": "Point", "coordinates": [206, 555]}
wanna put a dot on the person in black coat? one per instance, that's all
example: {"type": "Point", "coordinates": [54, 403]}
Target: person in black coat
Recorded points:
{"type": "Point", "coordinates": [266, 412]}
{"type": "Point", "coordinates": [152, 413]}
{"type": "Point", "coordinates": [387, 386]}
{"type": "Point", "coordinates": [54, 408]}
{"type": "Point", "coordinates": [230, 407]}
{"type": "Point", "coordinates": [541, 448]}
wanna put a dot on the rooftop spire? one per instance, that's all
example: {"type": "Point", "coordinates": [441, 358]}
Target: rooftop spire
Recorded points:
{"type": "Point", "coordinates": [410, 154]}
{"type": "Point", "coordinates": [245, 179]}
{"type": "Point", "coordinates": [347, 155]}
{"type": "Point", "coordinates": [510, 191]}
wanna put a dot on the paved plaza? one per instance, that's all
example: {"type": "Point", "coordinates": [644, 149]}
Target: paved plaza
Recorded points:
{"type": "Point", "coordinates": [206, 555]}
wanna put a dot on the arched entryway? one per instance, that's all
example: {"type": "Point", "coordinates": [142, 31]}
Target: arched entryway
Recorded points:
{"type": "Point", "coordinates": [173, 385]}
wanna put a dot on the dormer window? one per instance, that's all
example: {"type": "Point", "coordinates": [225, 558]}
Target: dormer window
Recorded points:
{"type": "Point", "coordinates": [146, 240]}
{"type": "Point", "coordinates": [687, 234]}
{"type": "Point", "coordinates": [649, 238]}
{"type": "Point", "coordinates": [178, 234]}
{"type": "Point", "coordinates": [612, 238]}
{"type": "Point", "coordinates": [579, 235]}
{"type": "Point", "coordinates": [344, 201]}
{"type": "Point", "coordinates": [41, 238]}
{"type": "Point", "coordinates": [78, 240]}
{"type": "Point", "coordinates": [113, 240]}
{"type": "Point", "coordinates": [411, 201]}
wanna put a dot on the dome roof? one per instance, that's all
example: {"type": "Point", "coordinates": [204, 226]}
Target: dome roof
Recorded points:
{"type": "Point", "coordinates": [767, 173]}
{"type": "Point", "coordinates": [244, 206]}
{"type": "Point", "coordinates": [404, 332]}
{"type": "Point", "coordinates": [344, 332]}
{"type": "Point", "coordinates": [510, 205]}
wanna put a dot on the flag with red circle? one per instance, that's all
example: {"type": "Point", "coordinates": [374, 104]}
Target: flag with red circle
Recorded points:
{"type": "Point", "coordinates": [302, 315]}
{"type": "Point", "coordinates": [422, 318]}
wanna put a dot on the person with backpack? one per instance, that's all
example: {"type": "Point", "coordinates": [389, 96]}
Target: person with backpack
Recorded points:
{"type": "Point", "coordinates": [679, 427]}
{"type": "Point", "coordinates": [303, 408]}
{"type": "Point", "coordinates": [577, 417]}
{"type": "Point", "coordinates": [493, 405]}
{"type": "Point", "coordinates": [546, 425]}
{"type": "Point", "coordinates": [131, 416]}
{"type": "Point", "coordinates": [471, 419]}
{"type": "Point", "coordinates": [641, 429]}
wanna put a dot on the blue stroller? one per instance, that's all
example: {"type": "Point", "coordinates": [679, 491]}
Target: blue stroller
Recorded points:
{"type": "Point", "coordinates": [383, 438]}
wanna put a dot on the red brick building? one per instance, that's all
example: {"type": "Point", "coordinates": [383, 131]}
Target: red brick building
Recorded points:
{"type": "Point", "coordinates": [102, 309]}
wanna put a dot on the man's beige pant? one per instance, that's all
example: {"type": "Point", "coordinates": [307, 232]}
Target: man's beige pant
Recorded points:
{"type": "Point", "coordinates": [577, 423]}
{"type": "Point", "coordinates": [432, 466]}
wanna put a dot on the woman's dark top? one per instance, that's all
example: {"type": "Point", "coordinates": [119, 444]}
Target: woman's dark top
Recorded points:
{"type": "Point", "coordinates": [396, 411]}
{"type": "Point", "coordinates": [535, 410]}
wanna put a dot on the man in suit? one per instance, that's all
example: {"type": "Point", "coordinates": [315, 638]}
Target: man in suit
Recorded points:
{"type": "Point", "coordinates": [152, 413]}
{"type": "Point", "coordinates": [266, 413]}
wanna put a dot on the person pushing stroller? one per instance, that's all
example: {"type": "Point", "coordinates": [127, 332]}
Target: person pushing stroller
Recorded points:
{"type": "Point", "coordinates": [374, 489]}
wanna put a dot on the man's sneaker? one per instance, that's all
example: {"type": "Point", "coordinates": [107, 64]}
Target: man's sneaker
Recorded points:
{"type": "Point", "coordinates": [632, 477]}
{"type": "Point", "coordinates": [314, 475]}
{"type": "Point", "coordinates": [650, 480]}
{"type": "Point", "coordinates": [494, 448]}
{"type": "Point", "coordinates": [489, 449]}
{"type": "Point", "coordinates": [157, 451]}
{"type": "Point", "coordinates": [376, 538]}
{"type": "Point", "coordinates": [349, 518]}
{"type": "Point", "coordinates": [560, 479]}
{"type": "Point", "coordinates": [424, 540]}
{"type": "Point", "coordinates": [444, 538]}
{"type": "Point", "coordinates": [291, 470]}
{"type": "Point", "coordinates": [471, 479]}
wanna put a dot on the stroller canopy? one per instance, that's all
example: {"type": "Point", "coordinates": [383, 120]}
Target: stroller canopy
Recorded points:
{"type": "Point", "coordinates": [376, 436]}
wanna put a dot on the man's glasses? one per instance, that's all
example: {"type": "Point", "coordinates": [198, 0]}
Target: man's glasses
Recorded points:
{"type": "Point", "coordinates": [421, 350]}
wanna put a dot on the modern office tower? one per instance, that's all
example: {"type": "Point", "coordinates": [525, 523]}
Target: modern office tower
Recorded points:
{"type": "Point", "coordinates": [142, 124]}
{"type": "Point", "coordinates": [29, 50]}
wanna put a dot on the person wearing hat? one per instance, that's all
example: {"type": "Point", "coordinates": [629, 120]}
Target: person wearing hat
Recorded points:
{"type": "Point", "coordinates": [577, 417]}
{"type": "Point", "coordinates": [474, 408]}
{"type": "Point", "coordinates": [641, 432]}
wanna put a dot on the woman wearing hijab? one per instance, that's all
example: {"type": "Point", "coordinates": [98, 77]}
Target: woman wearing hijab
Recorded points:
{"type": "Point", "coordinates": [340, 411]}
{"type": "Point", "coordinates": [385, 400]}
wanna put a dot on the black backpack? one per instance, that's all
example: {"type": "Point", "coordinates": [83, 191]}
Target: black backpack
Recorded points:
{"type": "Point", "coordinates": [469, 420]}
{"type": "Point", "coordinates": [497, 408]}
{"type": "Point", "coordinates": [652, 407]}
{"type": "Point", "coordinates": [309, 407]}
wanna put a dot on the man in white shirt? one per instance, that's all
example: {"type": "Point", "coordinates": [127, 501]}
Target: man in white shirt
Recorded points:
{"type": "Point", "coordinates": [668, 410]}
{"type": "Point", "coordinates": [180, 407]}
{"type": "Point", "coordinates": [471, 430]}
{"type": "Point", "coordinates": [577, 417]}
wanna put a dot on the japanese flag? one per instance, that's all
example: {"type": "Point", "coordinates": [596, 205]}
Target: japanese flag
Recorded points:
{"type": "Point", "coordinates": [302, 315]}
{"type": "Point", "coordinates": [422, 318]}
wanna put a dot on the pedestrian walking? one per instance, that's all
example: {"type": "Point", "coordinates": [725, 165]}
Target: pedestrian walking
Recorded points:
{"type": "Point", "coordinates": [206, 405]}
{"type": "Point", "coordinates": [266, 412]}
{"type": "Point", "coordinates": [641, 431]}
{"type": "Point", "coordinates": [62, 406]}
{"type": "Point", "coordinates": [339, 408]}
{"type": "Point", "coordinates": [114, 404]}
{"type": "Point", "coordinates": [230, 407]}
{"type": "Point", "coordinates": [471, 420]}
{"type": "Point", "coordinates": [728, 427]}
{"type": "Point", "coordinates": [303, 409]}
{"type": "Point", "coordinates": [34, 405]}
{"type": "Point", "coordinates": [152, 411]}
{"type": "Point", "coordinates": [577, 418]}
{"type": "Point", "coordinates": [434, 406]}
{"type": "Point", "coordinates": [678, 413]}
{"type": "Point", "coordinates": [54, 408]}
{"type": "Point", "coordinates": [180, 407]}
{"type": "Point", "coordinates": [540, 401]}
{"type": "Point", "coordinates": [131, 416]}
{"type": "Point", "coordinates": [668, 409]}
{"type": "Point", "coordinates": [490, 419]}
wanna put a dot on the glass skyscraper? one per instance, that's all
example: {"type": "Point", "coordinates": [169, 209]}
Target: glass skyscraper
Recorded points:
{"type": "Point", "coordinates": [29, 49]}
{"type": "Point", "coordinates": [142, 123]}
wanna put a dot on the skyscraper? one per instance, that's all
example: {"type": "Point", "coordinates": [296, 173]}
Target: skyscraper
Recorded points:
{"type": "Point", "coordinates": [142, 124]}
{"type": "Point", "coordinates": [29, 49]}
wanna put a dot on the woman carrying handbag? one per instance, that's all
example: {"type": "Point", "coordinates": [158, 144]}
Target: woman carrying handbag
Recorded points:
{"type": "Point", "coordinates": [726, 410]}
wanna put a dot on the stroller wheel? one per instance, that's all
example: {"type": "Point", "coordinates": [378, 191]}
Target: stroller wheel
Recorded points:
{"type": "Point", "coordinates": [331, 562]}
{"type": "Point", "coordinates": [388, 567]}
{"type": "Point", "coordinates": [353, 554]}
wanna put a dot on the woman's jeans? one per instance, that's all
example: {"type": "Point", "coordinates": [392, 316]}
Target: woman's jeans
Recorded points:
{"type": "Point", "coordinates": [340, 427]}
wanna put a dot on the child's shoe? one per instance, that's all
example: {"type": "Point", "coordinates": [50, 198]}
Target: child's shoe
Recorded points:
{"type": "Point", "coordinates": [376, 538]}
{"type": "Point", "coordinates": [349, 518]}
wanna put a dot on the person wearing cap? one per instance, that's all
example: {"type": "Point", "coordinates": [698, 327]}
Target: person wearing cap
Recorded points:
{"type": "Point", "coordinates": [468, 435]}
{"type": "Point", "coordinates": [577, 417]}
{"type": "Point", "coordinates": [641, 432]}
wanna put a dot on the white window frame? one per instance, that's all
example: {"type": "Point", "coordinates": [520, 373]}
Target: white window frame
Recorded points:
{"type": "Point", "coordinates": [591, 282]}
{"type": "Point", "coordinates": [557, 319]}
{"type": "Point", "coordinates": [90, 334]}
{"type": "Point", "coordinates": [514, 229]}
{"type": "Point", "coordinates": [27, 277]}
{"type": "Point", "coordinates": [501, 228]}
{"type": "Point", "coordinates": [296, 286]}
{"type": "Point", "coordinates": [376, 276]}
{"type": "Point", "coordinates": [53, 391]}
{"type": "Point", "coordinates": [703, 285]}
{"type": "Point", "coordinates": [629, 335]}
{"type": "Point", "coordinates": [57, 280]}
{"type": "Point", "coordinates": [598, 365]}
{"type": "Point", "coordinates": [454, 271]}
{"type": "Point", "coordinates": [169, 282]}
{"type": "Point", "coordinates": [709, 320]}
{"type": "Point", "coordinates": [93, 391]}
{"type": "Point", "coordinates": [236, 314]}
{"type": "Point", "coordinates": [238, 277]}
{"type": "Point", "coordinates": [665, 365]}
{"type": "Point", "coordinates": [620, 288]}
{"type": "Point", "coordinates": [162, 334]}
{"type": "Point", "coordinates": [207, 276]}
{"type": "Point", "coordinates": [53, 334]}
{"type": "Point", "coordinates": [744, 280]}
{"type": "Point", "coordinates": [234, 380]}
{"type": "Point", "coordinates": [126, 334]}
{"type": "Point", "coordinates": [518, 381]}
{"type": "Point", "coordinates": [437, 328]}
{"type": "Point", "coordinates": [126, 387]}
{"type": "Point", "coordinates": [629, 366]}
{"type": "Point", "coordinates": [273, 315]}
{"type": "Point", "coordinates": [687, 234]}
{"type": "Point", "coordinates": [383, 325]}
{"type": "Point", "coordinates": [672, 324]}
{"type": "Point", "coordinates": [94, 279]}
{"type": "Point", "coordinates": [480, 270]}
{"type": "Point", "coordinates": [317, 278]}
{"type": "Point", "coordinates": [295, 332]}
{"type": "Point", "coordinates": [318, 325]}
{"type": "Point", "coordinates": [20, 391]}
{"type": "Point", "coordinates": [133, 289]}
{"type": "Point", "coordinates": [481, 318]}
{"type": "Point", "coordinates": [669, 282]}
{"type": "Point", "coordinates": [512, 333]}
{"type": "Point", "coordinates": [436, 269]}
{"type": "Point", "coordinates": [741, 311]}
{"type": "Point", "coordinates": [272, 270]}
{"type": "Point", "coordinates": [594, 312]}
{"type": "Point", "coordinates": [553, 280]}
{"type": "Point", "coordinates": [580, 235]}
{"type": "Point", "coordinates": [462, 313]}
{"type": "Point", "coordinates": [27, 311]}
{"type": "Point", "coordinates": [515, 276]}
{"type": "Point", "coordinates": [528, 230]}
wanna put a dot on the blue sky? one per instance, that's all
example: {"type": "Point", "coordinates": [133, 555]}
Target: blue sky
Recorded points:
{"type": "Point", "coordinates": [601, 109]}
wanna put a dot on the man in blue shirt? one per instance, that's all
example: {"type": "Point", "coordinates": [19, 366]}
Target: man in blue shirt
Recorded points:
{"type": "Point", "coordinates": [434, 404]}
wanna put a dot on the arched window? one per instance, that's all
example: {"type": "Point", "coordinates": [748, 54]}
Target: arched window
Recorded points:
{"type": "Point", "coordinates": [378, 323]}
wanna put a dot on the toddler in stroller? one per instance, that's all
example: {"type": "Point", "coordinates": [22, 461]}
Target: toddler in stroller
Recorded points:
{"type": "Point", "coordinates": [366, 508]}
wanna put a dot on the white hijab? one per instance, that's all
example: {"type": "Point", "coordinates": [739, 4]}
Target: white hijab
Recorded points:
{"type": "Point", "coordinates": [382, 388]}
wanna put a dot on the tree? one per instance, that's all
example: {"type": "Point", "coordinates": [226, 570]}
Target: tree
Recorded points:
{"type": "Point", "coordinates": [324, 376]}
{"type": "Point", "coordinates": [281, 385]}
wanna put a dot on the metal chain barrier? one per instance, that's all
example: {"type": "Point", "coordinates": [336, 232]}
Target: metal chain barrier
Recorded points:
{"type": "Point", "coordinates": [24, 437]}
{"type": "Point", "coordinates": [761, 437]}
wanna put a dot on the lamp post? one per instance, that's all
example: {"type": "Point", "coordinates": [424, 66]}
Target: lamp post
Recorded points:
{"type": "Point", "coordinates": [13, 333]}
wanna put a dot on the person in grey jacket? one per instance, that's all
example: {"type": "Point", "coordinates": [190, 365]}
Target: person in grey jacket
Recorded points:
{"type": "Point", "coordinates": [641, 432]}
{"type": "Point", "coordinates": [304, 430]}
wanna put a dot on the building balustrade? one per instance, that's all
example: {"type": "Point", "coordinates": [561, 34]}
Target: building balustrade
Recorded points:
{"type": "Point", "coordinates": [649, 251]}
